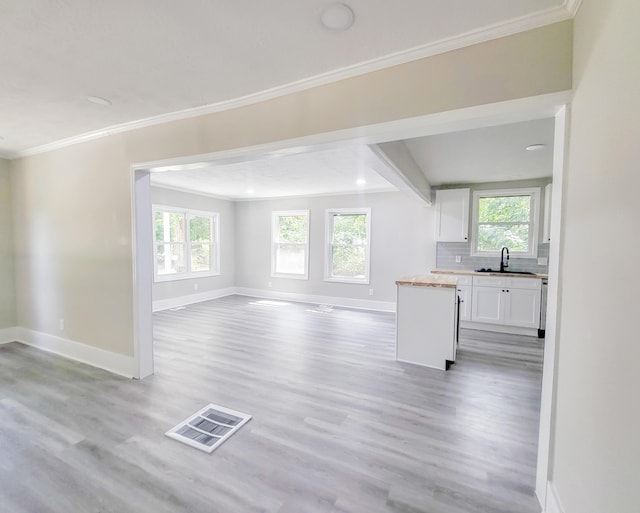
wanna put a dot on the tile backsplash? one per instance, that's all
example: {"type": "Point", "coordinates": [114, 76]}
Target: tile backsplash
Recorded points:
{"type": "Point", "coordinates": [446, 253]}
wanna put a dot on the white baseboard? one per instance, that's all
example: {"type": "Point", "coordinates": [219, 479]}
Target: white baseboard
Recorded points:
{"type": "Point", "coordinates": [361, 304]}
{"type": "Point", "coordinates": [112, 362]}
{"type": "Point", "coordinates": [8, 335]}
{"type": "Point", "coordinates": [499, 328]}
{"type": "Point", "coordinates": [174, 302]}
{"type": "Point", "coordinates": [553, 501]}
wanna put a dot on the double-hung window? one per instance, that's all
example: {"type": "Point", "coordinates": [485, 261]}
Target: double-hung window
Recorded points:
{"type": "Point", "coordinates": [506, 218]}
{"type": "Point", "coordinates": [348, 245]}
{"type": "Point", "coordinates": [186, 243]}
{"type": "Point", "coordinates": [290, 244]}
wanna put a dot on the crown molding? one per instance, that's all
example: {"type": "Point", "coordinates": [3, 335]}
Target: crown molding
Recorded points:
{"type": "Point", "coordinates": [572, 6]}
{"type": "Point", "coordinates": [481, 35]}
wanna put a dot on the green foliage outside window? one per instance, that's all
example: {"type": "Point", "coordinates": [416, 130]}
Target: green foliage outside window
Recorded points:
{"type": "Point", "coordinates": [292, 229]}
{"type": "Point", "coordinates": [504, 221]}
{"type": "Point", "coordinates": [349, 241]}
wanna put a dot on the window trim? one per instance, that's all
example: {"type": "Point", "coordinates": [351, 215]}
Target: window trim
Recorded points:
{"type": "Point", "coordinates": [215, 242]}
{"type": "Point", "coordinates": [275, 214]}
{"type": "Point", "coordinates": [329, 214]}
{"type": "Point", "coordinates": [534, 220]}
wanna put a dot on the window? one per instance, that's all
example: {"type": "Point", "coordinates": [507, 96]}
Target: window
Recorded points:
{"type": "Point", "coordinates": [290, 244]}
{"type": "Point", "coordinates": [186, 243]}
{"type": "Point", "coordinates": [348, 245]}
{"type": "Point", "coordinates": [506, 218]}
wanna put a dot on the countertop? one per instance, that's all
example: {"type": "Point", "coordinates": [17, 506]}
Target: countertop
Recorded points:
{"type": "Point", "coordinates": [429, 280]}
{"type": "Point", "coordinates": [470, 272]}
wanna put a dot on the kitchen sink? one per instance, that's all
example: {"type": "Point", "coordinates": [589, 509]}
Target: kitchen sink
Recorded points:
{"type": "Point", "coordinates": [483, 270]}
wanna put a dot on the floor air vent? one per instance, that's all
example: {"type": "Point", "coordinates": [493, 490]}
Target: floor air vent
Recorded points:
{"type": "Point", "coordinates": [209, 428]}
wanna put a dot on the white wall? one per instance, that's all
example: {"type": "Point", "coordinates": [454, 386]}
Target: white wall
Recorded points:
{"type": "Point", "coordinates": [182, 288]}
{"type": "Point", "coordinates": [7, 285]}
{"type": "Point", "coordinates": [595, 466]}
{"type": "Point", "coordinates": [73, 205]}
{"type": "Point", "coordinates": [401, 244]}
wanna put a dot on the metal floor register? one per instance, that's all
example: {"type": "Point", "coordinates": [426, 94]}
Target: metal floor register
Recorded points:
{"type": "Point", "coordinates": [209, 428]}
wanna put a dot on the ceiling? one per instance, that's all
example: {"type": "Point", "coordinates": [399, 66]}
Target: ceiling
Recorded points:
{"type": "Point", "coordinates": [330, 171]}
{"type": "Point", "coordinates": [491, 154]}
{"type": "Point", "coordinates": [154, 58]}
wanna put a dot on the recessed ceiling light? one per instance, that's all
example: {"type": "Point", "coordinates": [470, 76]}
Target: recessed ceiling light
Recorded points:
{"type": "Point", "coordinates": [337, 17]}
{"type": "Point", "coordinates": [534, 147]}
{"type": "Point", "coordinates": [361, 181]}
{"type": "Point", "coordinates": [99, 100]}
{"type": "Point", "coordinates": [250, 191]}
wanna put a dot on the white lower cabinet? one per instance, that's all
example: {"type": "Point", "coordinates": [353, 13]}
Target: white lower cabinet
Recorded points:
{"type": "Point", "coordinates": [506, 301]}
{"type": "Point", "coordinates": [487, 305]}
{"type": "Point", "coordinates": [522, 308]}
{"type": "Point", "coordinates": [464, 289]}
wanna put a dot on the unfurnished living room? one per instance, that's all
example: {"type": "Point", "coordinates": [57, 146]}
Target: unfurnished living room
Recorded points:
{"type": "Point", "coordinates": [319, 256]}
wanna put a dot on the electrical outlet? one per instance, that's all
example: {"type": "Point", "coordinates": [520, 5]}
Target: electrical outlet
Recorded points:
{"type": "Point", "coordinates": [195, 286]}
{"type": "Point", "coordinates": [371, 292]}
{"type": "Point", "coordinates": [543, 261]}
{"type": "Point", "coordinates": [61, 323]}
{"type": "Point", "coordinates": [269, 284]}
{"type": "Point", "coordinates": [458, 259]}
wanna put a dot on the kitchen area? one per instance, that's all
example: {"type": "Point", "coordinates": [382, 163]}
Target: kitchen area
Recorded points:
{"type": "Point", "coordinates": [491, 272]}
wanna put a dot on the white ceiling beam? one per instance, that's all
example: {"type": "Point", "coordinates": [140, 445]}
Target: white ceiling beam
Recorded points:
{"type": "Point", "coordinates": [393, 161]}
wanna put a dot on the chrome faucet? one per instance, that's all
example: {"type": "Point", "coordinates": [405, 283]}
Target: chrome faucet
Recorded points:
{"type": "Point", "coordinates": [504, 264]}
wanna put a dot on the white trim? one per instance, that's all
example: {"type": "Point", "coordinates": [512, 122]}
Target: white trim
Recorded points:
{"type": "Point", "coordinates": [473, 37]}
{"type": "Point", "coordinates": [328, 224]}
{"type": "Point", "coordinates": [188, 191]}
{"type": "Point", "coordinates": [8, 335]}
{"type": "Point", "coordinates": [214, 240]}
{"type": "Point", "coordinates": [174, 302]}
{"type": "Point", "coordinates": [553, 501]}
{"type": "Point", "coordinates": [142, 256]}
{"type": "Point", "coordinates": [77, 351]}
{"type": "Point", "coordinates": [345, 302]}
{"type": "Point", "coordinates": [275, 215]}
{"type": "Point", "coordinates": [534, 220]}
{"type": "Point", "coordinates": [572, 6]}
{"type": "Point", "coordinates": [499, 328]}
{"type": "Point", "coordinates": [479, 116]}
{"type": "Point", "coordinates": [554, 299]}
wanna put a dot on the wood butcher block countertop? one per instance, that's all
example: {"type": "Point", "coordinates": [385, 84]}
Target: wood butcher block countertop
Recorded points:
{"type": "Point", "coordinates": [469, 272]}
{"type": "Point", "coordinates": [429, 280]}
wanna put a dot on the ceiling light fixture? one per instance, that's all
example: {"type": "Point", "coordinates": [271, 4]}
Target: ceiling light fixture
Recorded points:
{"type": "Point", "coordinates": [250, 191]}
{"type": "Point", "coordinates": [99, 101]}
{"type": "Point", "coordinates": [361, 181]}
{"type": "Point", "coordinates": [337, 17]}
{"type": "Point", "coordinates": [534, 147]}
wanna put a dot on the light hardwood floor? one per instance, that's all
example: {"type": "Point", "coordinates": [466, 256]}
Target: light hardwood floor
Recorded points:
{"type": "Point", "coordinates": [338, 425]}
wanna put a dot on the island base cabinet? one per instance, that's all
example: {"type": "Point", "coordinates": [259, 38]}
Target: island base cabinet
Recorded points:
{"type": "Point", "coordinates": [426, 325]}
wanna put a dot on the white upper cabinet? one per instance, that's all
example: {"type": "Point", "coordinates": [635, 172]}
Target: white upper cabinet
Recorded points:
{"type": "Point", "coordinates": [452, 215]}
{"type": "Point", "coordinates": [546, 232]}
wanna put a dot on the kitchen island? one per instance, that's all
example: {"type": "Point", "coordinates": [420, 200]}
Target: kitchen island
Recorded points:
{"type": "Point", "coordinates": [426, 320]}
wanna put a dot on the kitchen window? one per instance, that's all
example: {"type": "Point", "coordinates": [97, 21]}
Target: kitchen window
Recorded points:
{"type": "Point", "coordinates": [186, 243]}
{"type": "Point", "coordinates": [290, 244]}
{"type": "Point", "coordinates": [506, 218]}
{"type": "Point", "coordinates": [348, 245]}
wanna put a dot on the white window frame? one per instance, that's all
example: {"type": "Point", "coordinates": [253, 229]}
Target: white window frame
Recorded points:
{"type": "Point", "coordinates": [275, 215]}
{"type": "Point", "coordinates": [534, 221]}
{"type": "Point", "coordinates": [330, 213]}
{"type": "Point", "coordinates": [215, 243]}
